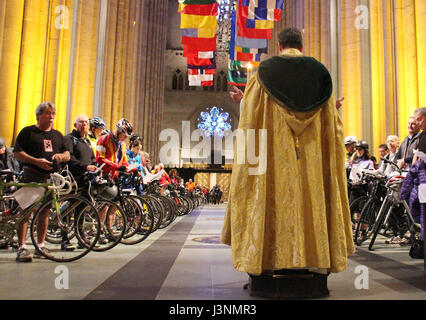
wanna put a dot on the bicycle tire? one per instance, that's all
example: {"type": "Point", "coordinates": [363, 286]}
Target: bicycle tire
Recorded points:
{"type": "Point", "coordinates": [113, 226]}
{"type": "Point", "coordinates": [379, 222]}
{"type": "Point", "coordinates": [157, 210]}
{"type": "Point", "coordinates": [356, 207]}
{"type": "Point", "coordinates": [77, 207]}
{"type": "Point", "coordinates": [367, 217]}
{"type": "Point", "coordinates": [168, 216]}
{"type": "Point", "coordinates": [140, 217]}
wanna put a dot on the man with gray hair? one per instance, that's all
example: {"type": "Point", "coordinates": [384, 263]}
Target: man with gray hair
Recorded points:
{"type": "Point", "coordinates": [405, 154]}
{"type": "Point", "coordinates": [420, 118]}
{"type": "Point", "coordinates": [40, 149]}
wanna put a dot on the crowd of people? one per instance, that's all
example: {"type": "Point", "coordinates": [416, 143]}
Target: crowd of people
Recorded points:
{"type": "Point", "coordinates": [407, 156]}
{"type": "Point", "coordinates": [40, 150]}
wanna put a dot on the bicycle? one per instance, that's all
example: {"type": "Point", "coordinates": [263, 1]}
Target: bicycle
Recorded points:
{"type": "Point", "coordinates": [67, 214]}
{"type": "Point", "coordinates": [140, 217]}
{"type": "Point", "coordinates": [370, 208]}
{"type": "Point", "coordinates": [387, 213]}
{"type": "Point", "coordinates": [101, 193]}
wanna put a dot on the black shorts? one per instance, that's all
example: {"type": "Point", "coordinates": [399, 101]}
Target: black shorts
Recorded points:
{"type": "Point", "coordinates": [33, 175]}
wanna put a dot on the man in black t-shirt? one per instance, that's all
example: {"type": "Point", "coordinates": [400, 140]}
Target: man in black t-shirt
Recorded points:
{"type": "Point", "coordinates": [40, 149]}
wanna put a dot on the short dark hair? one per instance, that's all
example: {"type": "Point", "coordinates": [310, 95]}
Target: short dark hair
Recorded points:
{"type": "Point", "coordinates": [384, 146]}
{"type": "Point", "coordinates": [291, 38]}
{"type": "Point", "coordinates": [135, 144]}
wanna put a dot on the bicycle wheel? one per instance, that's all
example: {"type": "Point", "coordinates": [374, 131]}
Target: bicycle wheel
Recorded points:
{"type": "Point", "coordinates": [183, 206]}
{"type": "Point", "coordinates": [355, 208]}
{"type": "Point", "coordinates": [168, 210]}
{"type": "Point", "coordinates": [157, 211]}
{"type": "Point", "coordinates": [366, 221]}
{"type": "Point", "coordinates": [190, 205]}
{"type": "Point", "coordinates": [387, 207]}
{"type": "Point", "coordinates": [140, 219]}
{"type": "Point", "coordinates": [174, 207]}
{"type": "Point", "coordinates": [76, 215]}
{"type": "Point", "coordinates": [114, 223]}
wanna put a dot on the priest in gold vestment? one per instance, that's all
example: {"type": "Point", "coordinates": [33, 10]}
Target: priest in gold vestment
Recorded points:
{"type": "Point", "coordinates": [295, 214]}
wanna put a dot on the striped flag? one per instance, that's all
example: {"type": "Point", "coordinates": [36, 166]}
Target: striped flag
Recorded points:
{"type": "Point", "coordinates": [198, 33]}
{"type": "Point", "coordinates": [201, 80]}
{"type": "Point", "coordinates": [188, 21]}
{"type": "Point", "coordinates": [199, 9]}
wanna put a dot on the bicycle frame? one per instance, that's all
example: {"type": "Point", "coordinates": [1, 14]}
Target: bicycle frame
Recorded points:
{"type": "Point", "coordinates": [28, 211]}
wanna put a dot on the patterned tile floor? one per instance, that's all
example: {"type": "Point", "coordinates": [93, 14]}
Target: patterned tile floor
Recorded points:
{"type": "Point", "coordinates": [186, 261]}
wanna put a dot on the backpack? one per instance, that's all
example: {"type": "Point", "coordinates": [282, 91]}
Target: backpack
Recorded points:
{"type": "Point", "coordinates": [417, 249]}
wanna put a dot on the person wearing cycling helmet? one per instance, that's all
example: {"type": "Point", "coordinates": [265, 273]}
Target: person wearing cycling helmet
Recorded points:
{"type": "Point", "coordinates": [97, 125]}
{"type": "Point", "coordinates": [111, 149]}
{"type": "Point", "coordinates": [350, 146]}
{"type": "Point", "coordinates": [360, 160]}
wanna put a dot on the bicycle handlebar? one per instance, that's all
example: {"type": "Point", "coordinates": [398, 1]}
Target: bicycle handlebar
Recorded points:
{"type": "Point", "coordinates": [59, 177]}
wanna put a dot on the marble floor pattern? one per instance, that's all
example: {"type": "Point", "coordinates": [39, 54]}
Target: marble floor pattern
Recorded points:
{"type": "Point", "coordinates": [186, 261]}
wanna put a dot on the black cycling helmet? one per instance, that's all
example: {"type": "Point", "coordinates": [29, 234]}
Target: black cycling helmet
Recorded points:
{"type": "Point", "coordinates": [135, 137]}
{"type": "Point", "coordinates": [125, 127]}
{"type": "Point", "coordinates": [362, 144]}
{"type": "Point", "coordinates": [97, 123]}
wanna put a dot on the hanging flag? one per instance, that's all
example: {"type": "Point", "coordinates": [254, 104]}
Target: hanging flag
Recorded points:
{"type": "Point", "coordinates": [243, 53]}
{"type": "Point", "coordinates": [200, 44]}
{"type": "Point", "coordinates": [251, 31]}
{"type": "Point", "coordinates": [237, 74]}
{"type": "Point", "coordinates": [198, 22]}
{"type": "Point", "coordinates": [198, 30]}
{"type": "Point", "coordinates": [251, 50]}
{"type": "Point", "coordinates": [263, 9]}
{"type": "Point", "coordinates": [200, 62]}
{"type": "Point", "coordinates": [250, 43]}
{"type": "Point", "coordinates": [193, 63]}
{"type": "Point", "coordinates": [189, 52]}
{"type": "Point", "coordinates": [198, 33]}
{"type": "Point", "coordinates": [199, 9]}
{"type": "Point", "coordinates": [201, 80]}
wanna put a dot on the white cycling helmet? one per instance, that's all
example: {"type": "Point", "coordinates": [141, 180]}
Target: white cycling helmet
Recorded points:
{"type": "Point", "coordinates": [350, 140]}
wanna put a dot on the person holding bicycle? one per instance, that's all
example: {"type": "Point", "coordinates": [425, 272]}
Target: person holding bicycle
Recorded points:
{"type": "Point", "coordinates": [385, 168]}
{"type": "Point", "coordinates": [111, 149]}
{"type": "Point", "coordinates": [82, 159]}
{"type": "Point", "coordinates": [97, 126]}
{"type": "Point", "coordinates": [78, 143]}
{"type": "Point", "coordinates": [40, 149]}
{"type": "Point", "coordinates": [405, 154]}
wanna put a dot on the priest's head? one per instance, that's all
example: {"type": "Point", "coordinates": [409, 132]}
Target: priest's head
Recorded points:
{"type": "Point", "coordinates": [290, 38]}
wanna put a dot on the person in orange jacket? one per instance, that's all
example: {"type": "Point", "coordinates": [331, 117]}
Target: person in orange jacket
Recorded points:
{"type": "Point", "coordinates": [111, 149]}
